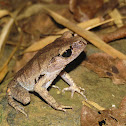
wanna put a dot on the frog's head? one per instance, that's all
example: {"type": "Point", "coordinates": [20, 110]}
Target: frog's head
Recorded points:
{"type": "Point", "coordinates": [69, 47]}
{"type": "Point", "coordinates": [72, 46]}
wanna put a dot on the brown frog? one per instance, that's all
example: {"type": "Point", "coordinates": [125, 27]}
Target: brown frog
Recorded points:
{"type": "Point", "coordinates": [38, 74]}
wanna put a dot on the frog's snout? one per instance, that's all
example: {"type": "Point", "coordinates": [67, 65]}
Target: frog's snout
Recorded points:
{"type": "Point", "coordinates": [79, 44]}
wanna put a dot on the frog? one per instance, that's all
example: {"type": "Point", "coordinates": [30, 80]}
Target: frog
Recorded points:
{"type": "Point", "coordinates": [39, 73]}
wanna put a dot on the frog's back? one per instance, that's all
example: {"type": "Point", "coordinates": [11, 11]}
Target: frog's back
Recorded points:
{"type": "Point", "coordinates": [37, 66]}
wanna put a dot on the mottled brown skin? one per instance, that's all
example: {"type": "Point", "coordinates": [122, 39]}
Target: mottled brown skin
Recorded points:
{"type": "Point", "coordinates": [38, 74]}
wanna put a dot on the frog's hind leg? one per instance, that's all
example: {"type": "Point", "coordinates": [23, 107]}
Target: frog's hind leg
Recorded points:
{"type": "Point", "coordinates": [42, 91]}
{"type": "Point", "coordinates": [50, 100]}
{"type": "Point", "coordinates": [20, 94]}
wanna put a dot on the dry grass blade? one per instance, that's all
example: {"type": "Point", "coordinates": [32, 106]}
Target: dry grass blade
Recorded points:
{"type": "Point", "coordinates": [43, 42]}
{"type": "Point", "coordinates": [4, 69]}
{"type": "Point", "coordinates": [4, 13]}
{"type": "Point", "coordinates": [4, 34]}
{"type": "Point", "coordinates": [99, 24]}
{"type": "Point", "coordinates": [104, 22]}
{"type": "Point", "coordinates": [91, 37]}
{"type": "Point", "coordinates": [91, 103]}
{"type": "Point", "coordinates": [3, 73]}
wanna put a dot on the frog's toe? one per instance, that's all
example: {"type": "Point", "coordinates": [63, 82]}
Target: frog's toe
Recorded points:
{"type": "Point", "coordinates": [21, 109]}
{"type": "Point", "coordinates": [74, 89]}
{"type": "Point", "coordinates": [62, 107]}
{"type": "Point", "coordinates": [54, 86]}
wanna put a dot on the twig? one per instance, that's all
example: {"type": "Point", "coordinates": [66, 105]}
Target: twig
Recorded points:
{"type": "Point", "coordinates": [119, 33]}
{"type": "Point", "coordinates": [91, 37]}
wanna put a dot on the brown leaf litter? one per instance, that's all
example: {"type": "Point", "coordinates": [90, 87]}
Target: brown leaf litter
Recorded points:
{"type": "Point", "coordinates": [110, 117]}
{"type": "Point", "coordinates": [117, 34]}
{"type": "Point", "coordinates": [106, 66]}
{"type": "Point", "coordinates": [84, 10]}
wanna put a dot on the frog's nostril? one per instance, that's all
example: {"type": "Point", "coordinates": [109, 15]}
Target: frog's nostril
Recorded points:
{"type": "Point", "coordinates": [83, 42]}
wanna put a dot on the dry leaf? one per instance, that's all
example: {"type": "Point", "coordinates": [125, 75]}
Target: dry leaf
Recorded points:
{"type": "Point", "coordinates": [106, 66]}
{"type": "Point", "coordinates": [84, 10]}
{"type": "Point", "coordinates": [111, 117]}
{"type": "Point", "coordinates": [87, 9]}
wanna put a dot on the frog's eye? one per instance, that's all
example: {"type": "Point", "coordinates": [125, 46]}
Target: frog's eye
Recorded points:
{"type": "Point", "coordinates": [67, 53]}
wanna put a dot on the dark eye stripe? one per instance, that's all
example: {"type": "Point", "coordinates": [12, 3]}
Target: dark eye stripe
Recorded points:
{"type": "Point", "coordinates": [115, 70]}
{"type": "Point", "coordinates": [67, 53]}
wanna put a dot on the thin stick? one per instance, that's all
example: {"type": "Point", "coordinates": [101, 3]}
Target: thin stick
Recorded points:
{"type": "Point", "coordinates": [91, 37]}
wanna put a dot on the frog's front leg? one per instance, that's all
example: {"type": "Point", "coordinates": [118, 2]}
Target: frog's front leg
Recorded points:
{"type": "Point", "coordinates": [73, 87]}
{"type": "Point", "coordinates": [42, 91]}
